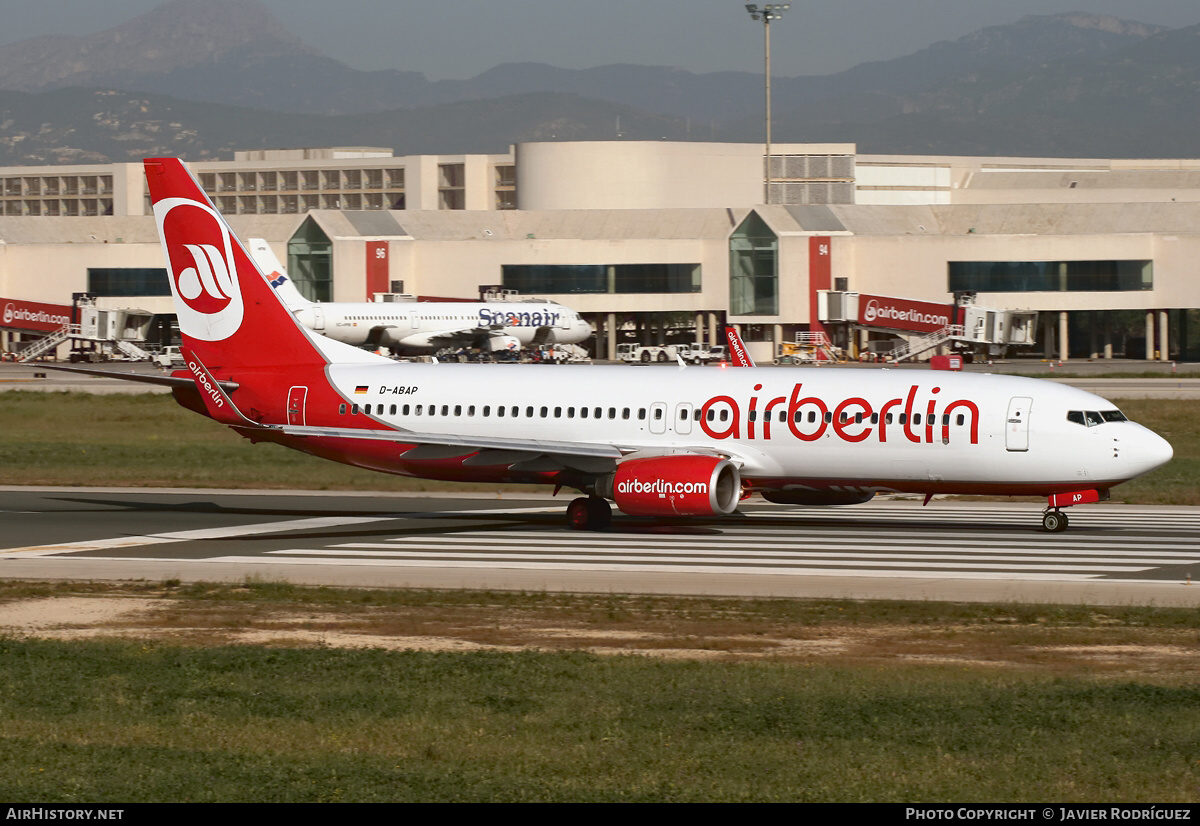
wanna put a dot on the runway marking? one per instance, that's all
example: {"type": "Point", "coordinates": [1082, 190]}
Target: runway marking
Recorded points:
{"type": "Point", "coordinates": [936, 543]}
{"type": "Point", "coordinates": [184, 536]}
{"type": "Point", "coordinates": [705, 560]}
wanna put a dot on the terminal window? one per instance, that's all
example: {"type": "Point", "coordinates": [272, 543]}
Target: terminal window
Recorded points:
{"type": "Point", "coordinates": [109, 281]}
{"type": "Point", "coordinates": [1050, 276]}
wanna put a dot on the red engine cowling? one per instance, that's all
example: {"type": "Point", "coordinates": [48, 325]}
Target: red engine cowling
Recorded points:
{"type": "Point", "coordinates": [674, 486]}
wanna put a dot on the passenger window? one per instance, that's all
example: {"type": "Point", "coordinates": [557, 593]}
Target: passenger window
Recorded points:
{"type": "Point", "coordinates": [712, 414]}
{"type": "Point", "coordinates": [470, 410]}
{"type": "Point", "coordinates": [961, 420]}
{"type": "Point", "coordinates": [418, 410]}
{"type": "Point", "coordinates": [612, 412]}
{"type": "Point", "coordinates": [724, 415]}
{"type": "Point", "coordinates": [558, 412]}
{"type": "Point", "coordinates": [342, 409]}
{"type": "Point", "coordinates": [782, 416]}
{"type": "Point", "coordinates": [544, 411]}
{"type": "Point", "coordinates": [583, 412]}
{"type": "Point", "coordinates": [753, 416]}
{"type": "Point", "coordinates": [515, 411]}
{"type": "Point", "coordinates": [828, 417]}
{"type": "Point", "coordinates": [487, 410]}
{"type": "Point", "coordinates": [405, 409]}
{"type": "Point", "coordinates": [354, 410]}
{"type": "Point", "coordinates": [445, 410]}
{"type": "Point", "coordinates": [500, 410]}
{"type": "Point", "coordinates": [874, 418]}
{"type": "Point", "coordinates": [392, 410]}
{"type": "Point", "coordinates": [641, 414]}
{"type": "Point", "coordinates": [570, 412]}
{"type": "Point", "coordinates": [598, 413]}
{"type": "Point", "coordinates": [529, 412]}
{"type": "Point", "coordinates": [658, 414]}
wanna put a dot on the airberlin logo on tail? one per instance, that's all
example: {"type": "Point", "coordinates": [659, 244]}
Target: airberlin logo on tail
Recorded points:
{"type": "Point", "coordinates": [204, 280]}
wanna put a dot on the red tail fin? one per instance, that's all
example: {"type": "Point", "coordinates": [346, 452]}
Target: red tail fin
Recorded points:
{"type": "Point", "coordinates": [737, 350]}
{"type": "Point", "coordinates": [228, 314]}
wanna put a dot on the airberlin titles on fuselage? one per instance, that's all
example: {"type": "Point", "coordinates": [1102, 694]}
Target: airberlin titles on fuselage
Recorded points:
{"type": "Point", "coordinates": [852, 419]}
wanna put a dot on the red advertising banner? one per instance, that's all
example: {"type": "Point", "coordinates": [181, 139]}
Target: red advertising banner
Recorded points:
{"type": "Point", "coordinates": [377, 268]}
{"type": "Point", "coordinates": [34, 315]}
{"type": "Point", "coordinates": [903, 313]}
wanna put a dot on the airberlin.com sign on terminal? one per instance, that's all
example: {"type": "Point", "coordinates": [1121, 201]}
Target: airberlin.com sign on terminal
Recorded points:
{"type": "Point", "coordinates": [34, 315]}
{"type": "Point", "coordinates": [903, 313]}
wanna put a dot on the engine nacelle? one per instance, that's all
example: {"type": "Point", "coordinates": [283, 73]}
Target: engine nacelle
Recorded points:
{"type": "Point", "coordinates": [501, 343]}
{"type": "Point", "coordinates": [685, 485]}
{"type": "Point", "coordinates": [816, 497]}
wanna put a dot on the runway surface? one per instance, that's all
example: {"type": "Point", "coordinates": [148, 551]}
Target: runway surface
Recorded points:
{"type": "Point", "coordinates": [1112, 554]}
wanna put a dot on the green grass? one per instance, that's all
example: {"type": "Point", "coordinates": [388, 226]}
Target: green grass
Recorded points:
{"type": "Point", "coordinates": [148, 440]}
{"type": "Point", "coordinates": [132, 722]}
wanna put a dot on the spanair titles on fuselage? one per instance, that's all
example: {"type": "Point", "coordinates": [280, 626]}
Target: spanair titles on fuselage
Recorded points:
{"type": "Point", "coordinates": [426, 325]}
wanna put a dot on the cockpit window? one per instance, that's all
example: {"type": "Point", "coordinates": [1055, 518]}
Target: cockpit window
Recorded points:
{"type": "Point", "coordinates": [1091, 418]}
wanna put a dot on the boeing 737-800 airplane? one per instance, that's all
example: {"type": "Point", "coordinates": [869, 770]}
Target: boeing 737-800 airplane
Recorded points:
{"type": "Point", "coordinates": [671, 443]}
{"type": "Point", "coordinates": [424, 326]}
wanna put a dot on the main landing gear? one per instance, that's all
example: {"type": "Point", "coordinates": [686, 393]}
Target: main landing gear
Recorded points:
{"type": "Point", "coordinates": [589, 513]}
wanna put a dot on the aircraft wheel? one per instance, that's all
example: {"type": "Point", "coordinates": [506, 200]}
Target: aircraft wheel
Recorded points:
{"type": "Point", "coordinates": [589, 513]}
{"type": "Point", "coordinates": [1054, 521]}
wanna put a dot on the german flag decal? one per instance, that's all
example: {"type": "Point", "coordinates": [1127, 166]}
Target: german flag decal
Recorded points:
{"type": "Point", "coordinates": [361, 390]}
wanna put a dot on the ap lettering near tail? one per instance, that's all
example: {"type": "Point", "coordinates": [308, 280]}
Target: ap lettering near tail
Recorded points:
{"type": "Point", "coordinates": [666, 443]}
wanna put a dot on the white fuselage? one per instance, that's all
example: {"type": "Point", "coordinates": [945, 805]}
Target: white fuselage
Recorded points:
{"type": "Point", "coordinates": [857, 429]}
{"type": "Point", "coordinates": [428, 325]}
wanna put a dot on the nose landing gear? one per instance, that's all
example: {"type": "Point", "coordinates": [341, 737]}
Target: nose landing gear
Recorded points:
{"type": "Point", "coordinates": [1054, 520]}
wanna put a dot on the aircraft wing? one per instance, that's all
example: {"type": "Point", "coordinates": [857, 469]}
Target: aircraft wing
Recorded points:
{"type": "Point", "coordinates": [468, 443]}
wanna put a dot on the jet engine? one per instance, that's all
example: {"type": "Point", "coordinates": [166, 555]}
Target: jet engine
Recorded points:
{"type": "Point", "coordinates": [816, 497]}
{"type": "Point", "coordinates": [669, 486]}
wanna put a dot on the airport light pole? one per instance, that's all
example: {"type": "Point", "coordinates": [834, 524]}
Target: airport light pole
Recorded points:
{"type": "Point", "coordinates": [769, 12]}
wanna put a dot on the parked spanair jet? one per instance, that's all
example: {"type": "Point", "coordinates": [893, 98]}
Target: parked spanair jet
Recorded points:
{"type": "Point", "coordinates": [669, 442]}
{"type": "Point", "coordinates": [425, 326]}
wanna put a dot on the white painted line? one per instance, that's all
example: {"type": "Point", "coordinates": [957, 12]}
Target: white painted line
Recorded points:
{"type": "Point", "coordinates": [184, 536]}
{"type": "Point", "coordinates": [665, 569]}
{"type": "Point", "coordinates": [686, 560]}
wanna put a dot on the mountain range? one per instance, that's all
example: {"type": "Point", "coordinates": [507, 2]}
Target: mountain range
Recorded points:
{"type": "Point", "coordinates": [199, 78]}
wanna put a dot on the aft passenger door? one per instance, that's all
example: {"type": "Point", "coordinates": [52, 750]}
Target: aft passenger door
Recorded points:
{"type": "Point", "coordinates": [295, 405]}
{"type": "Point", "coordinates": [1016, 424]}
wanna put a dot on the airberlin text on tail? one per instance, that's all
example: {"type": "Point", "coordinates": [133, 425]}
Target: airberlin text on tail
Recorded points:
{"type": "Point", "coordinates": [214, 281]}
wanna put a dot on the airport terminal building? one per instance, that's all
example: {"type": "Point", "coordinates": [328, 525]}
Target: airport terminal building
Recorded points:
{"type": "Point", "coordinates": [655, 241]}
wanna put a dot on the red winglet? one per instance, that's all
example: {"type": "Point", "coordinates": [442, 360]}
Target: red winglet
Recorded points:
{"type": "Point", "coordinates": [737, 350]}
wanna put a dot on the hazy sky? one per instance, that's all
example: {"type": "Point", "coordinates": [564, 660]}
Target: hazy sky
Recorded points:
{"type": "Point", "coordinates": [462, 38]}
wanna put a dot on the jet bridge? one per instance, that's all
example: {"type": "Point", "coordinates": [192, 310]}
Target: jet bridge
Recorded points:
{"type": "Point", "coordinates": [921, 326]}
